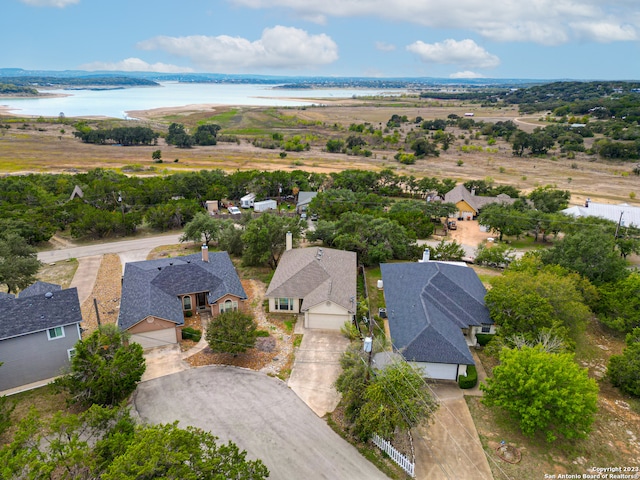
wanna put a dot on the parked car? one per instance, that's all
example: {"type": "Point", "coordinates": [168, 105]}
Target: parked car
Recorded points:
{"type": "Point", "coordinates": [452, 225]}
{"type": "Point", "coordinates": [234, 211]}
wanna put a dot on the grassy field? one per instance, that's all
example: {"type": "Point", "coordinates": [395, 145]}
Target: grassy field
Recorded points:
{"type": "Point", "coordinates": [38, 146]}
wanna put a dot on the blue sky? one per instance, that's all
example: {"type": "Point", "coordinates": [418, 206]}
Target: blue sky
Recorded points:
{"type": "Point", "coordinates": [536, 39]}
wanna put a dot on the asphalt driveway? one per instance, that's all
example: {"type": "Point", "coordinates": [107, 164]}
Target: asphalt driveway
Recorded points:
{"type": "Point", "coordinates": [258, 413]}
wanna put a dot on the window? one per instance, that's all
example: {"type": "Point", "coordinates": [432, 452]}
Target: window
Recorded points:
{"type": "Point", "coordinates": [186, 302]}
{"type": "Point", "coordinates": [56, 332]}
{"type": "Point", "coordinates": [71, 353]}
{"type": "Point", "coordinates": [486, 329]}
{"type": "Point", "coordinates": [284, 304]}
{"type": "Point", "coordinates": [228, 306]}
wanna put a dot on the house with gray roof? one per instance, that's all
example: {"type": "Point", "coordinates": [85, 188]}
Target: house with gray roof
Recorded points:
{"type": "Point", "coordinates": [304, 199]}
{"type": "Point", "coordinates": [316, 282]}
{"type": "Point", "coordinates": [38, 331]}
{"type": "Point", "coordinates": [434, 311]}
{"type": "Point", "coordinates": [469, 204]}
{"type": "Point", "coordinates": [157, 294]}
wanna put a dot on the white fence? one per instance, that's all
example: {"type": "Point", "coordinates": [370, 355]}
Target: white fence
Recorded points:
{"type": "Point", "coordinates": [395, 455]}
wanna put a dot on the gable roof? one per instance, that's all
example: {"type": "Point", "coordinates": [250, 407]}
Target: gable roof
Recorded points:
{"type": "Point", "coordinates": [153, 287]}
{"type": "Point", "coordinates": [460, 193]}
{"type": "Point", "coordinates": [316, 274]}
{"type": "Point", "coordinates": [428, 305]}
{"type": "Point", "coordinates": [37, 311]}
{"type": "Point", "coordinates": [39, 288]}
{"type": "Point", "coordinates": [630, 214]}
{"type": "Point", "coordinates": [304, 198]}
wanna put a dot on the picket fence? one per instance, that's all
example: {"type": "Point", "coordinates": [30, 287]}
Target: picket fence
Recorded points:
{"type": "Point", "coordinates": [395, 455]}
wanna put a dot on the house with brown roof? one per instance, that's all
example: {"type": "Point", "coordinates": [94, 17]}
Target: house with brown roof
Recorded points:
{"type": "Point", "coordinates": [469, 204]}
{"type": "Point", "coordinates": [158, 294]}
{"type": "Point", "coordinates": [317, 283]}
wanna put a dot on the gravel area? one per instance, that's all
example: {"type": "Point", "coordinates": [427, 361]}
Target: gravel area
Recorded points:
{"type": "Point", "coordinates": [106, 291]}
{"type": "Point", "coordinates": [271, 355]}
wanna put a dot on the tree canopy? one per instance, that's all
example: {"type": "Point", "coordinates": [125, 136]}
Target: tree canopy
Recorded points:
{"type": "Point", "coordinates": [203, 227]}
{"type": "Point", "coordinates": [623, 369]}
{"type": "Point", "coordinates": [106, 443]}
{"type": "Point", "coordinates": [619, 306]}
{"type": "Point", "coordinates": [264, 239]}
{"type": "Point", "coordinates": [231, 332]}
{"type": "Point", "coordinates": [545, 393]}
{"type": "Point", "coordinates": [18, 262]}
{"type": "Point", "coordinates": [105, 369]}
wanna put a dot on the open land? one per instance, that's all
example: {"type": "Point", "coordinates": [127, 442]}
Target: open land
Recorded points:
{"type": "Point", "coordinates": [41, 145]}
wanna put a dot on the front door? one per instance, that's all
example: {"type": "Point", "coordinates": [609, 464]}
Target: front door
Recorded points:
{"type": "Point", "coordinates": [201, 301]}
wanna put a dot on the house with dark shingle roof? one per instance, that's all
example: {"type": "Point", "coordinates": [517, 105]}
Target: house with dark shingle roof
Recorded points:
{"type": "Point", "coordinates": [434, 312]}
{"type": "Point", "coordinates": [319, 283]}
{"type": "Point", "coordinates": [38, 331]}
{"type": "Point", "coordinates": [469, 204]}
{"type": "Point", "coordinates": [157, 294]}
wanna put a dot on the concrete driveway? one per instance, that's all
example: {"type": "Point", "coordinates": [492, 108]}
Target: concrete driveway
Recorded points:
{"type": "Point", "coordinates": [450, 447]}
{"type": "Point", "coordinates": [258, 413]}
{"type": "Point", "coordinates": [316, 367]}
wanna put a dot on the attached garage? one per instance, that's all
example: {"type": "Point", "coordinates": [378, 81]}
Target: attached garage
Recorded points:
{"type": "Point", "coordinates": [155, 338]}
{"type": "Point", "coordinates": [439, 371]}
{"type": "Point", "coordinates": [154, 332]}
{"type": "Point", "coordinates": [327, 316]}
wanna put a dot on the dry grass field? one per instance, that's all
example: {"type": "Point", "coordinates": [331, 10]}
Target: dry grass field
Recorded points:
{"type": "Point", "coordinates": [37, 146]}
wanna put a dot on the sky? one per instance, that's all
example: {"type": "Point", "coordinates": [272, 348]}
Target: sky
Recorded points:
{"type": "Point", "coordinates": [504, 39]}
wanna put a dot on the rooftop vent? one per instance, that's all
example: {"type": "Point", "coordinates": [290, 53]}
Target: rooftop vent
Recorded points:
{"type": "Point", "coordinates": [48, 295]}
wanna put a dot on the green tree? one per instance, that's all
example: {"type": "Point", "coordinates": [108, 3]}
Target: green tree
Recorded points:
{"type": "Point", "coordinates": [264, 239]}
{"type": "Point", "coordinates": [166, 451]}
{"type": "Point", "coordinates": [179, 137]}
{"type": "Point", "coordinates": [156, 155]}
{"type": "Point", "coordinates": [504, 219]}
{"type": "Point", "coordinates": [18, 262]}
{"type": "Point", "coordinates": [544, 392]}
{"type": "Point", "coordinates": [206, 134]}
{"type": "Point", "coordinates": [590, 252]}
{"type": "Point", "coordinates": [527, 302]}
{"type": "Point", "coordinates": [105, 368]}
{"type": "Point", "coordinates": [106, 443]}
{"type": "Point", "coordinates": [496, 255]}
{"type": "Point", "coordinates": [202, 227]}
{"type": "Point", "coordinates": [448, 251]}
{"type": "Point", "coordinates": [548, 199]}
{"type": "Point", "coordinates": [335, 145]}
{"type": "Point", "coordinates": [619, 306]}
{"type": "Point", "coordinates": [623, 369]}
{"type": "Point", "coordinates": [231, 332]}
{"type": "Point", "coordinates": [374, 239]}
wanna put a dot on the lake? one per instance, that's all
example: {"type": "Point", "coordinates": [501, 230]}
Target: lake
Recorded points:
{"type": "Point", "coordinates": [115, 103]}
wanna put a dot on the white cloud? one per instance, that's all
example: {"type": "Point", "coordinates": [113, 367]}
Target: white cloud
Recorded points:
{"type": "Point", "coordinates": [466, 74]}
{"type": "Point", "coordinates": [279, 47]}
{"type": "Point", "coordinates": [548, 22]}
{"type": "Point", "coordinates": [464, 52]}
{"type": "Point", "coordinates": [135, 65]}
{"type": "Point", "coordinates": [385, 47]}
{"type": "Point", "coordinates": [50, 3]}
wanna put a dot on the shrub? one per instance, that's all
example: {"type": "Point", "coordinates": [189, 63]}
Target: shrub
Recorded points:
{"type": "Point", "coordinates": [188, 313]}
{"type": "Point", "coordinates": [470, 379]}
{"type": "Point", "coordinates": [262, 333]}
{"type": "Point", "coordinates": [484, 338]}
{"type": "Point", "coordinates": [189, 333]}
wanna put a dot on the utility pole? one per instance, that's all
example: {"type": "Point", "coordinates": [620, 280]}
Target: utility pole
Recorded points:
{"type": "Point", "coordinates": [615, 237]}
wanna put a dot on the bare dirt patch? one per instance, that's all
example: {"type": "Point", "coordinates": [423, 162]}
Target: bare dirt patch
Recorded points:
{"type": "Point", "coordinates": [59, 273]}
{"type": "Point", "coordinates": [107, 292]}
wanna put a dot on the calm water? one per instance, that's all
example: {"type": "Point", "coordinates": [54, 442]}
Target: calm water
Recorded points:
{"type": "Point", "coordinates": [115, 103]}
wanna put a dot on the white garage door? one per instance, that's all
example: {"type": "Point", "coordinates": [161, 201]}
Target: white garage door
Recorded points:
{"type": "Point", "coordinates": [325, 321]}
{"type": "Point", "coordinates": [440, 371]}
{"type": "Point", "coordinates": [156, 338]}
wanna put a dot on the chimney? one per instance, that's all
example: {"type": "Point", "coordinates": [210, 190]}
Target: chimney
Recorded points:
{"type": "Point", "coordinates": [205, 253]}
{"type": "Point", "coordinates": [289, 242]}
{"type": "Point", "coordinates": [586, 204]}
{"type": "Point", "coordinates": [473, 192]}
{"type": "Point", "coordinates": [426, 255]}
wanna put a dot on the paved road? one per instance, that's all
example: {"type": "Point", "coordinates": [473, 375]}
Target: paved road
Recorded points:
{"type": "Point", "coordinates": [125, 247]}
{"type": "Point", "coordinates": [258, 413]}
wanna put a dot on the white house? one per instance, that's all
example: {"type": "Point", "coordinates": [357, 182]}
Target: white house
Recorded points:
{"type": "Point", "coordinates": [248, 200]}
